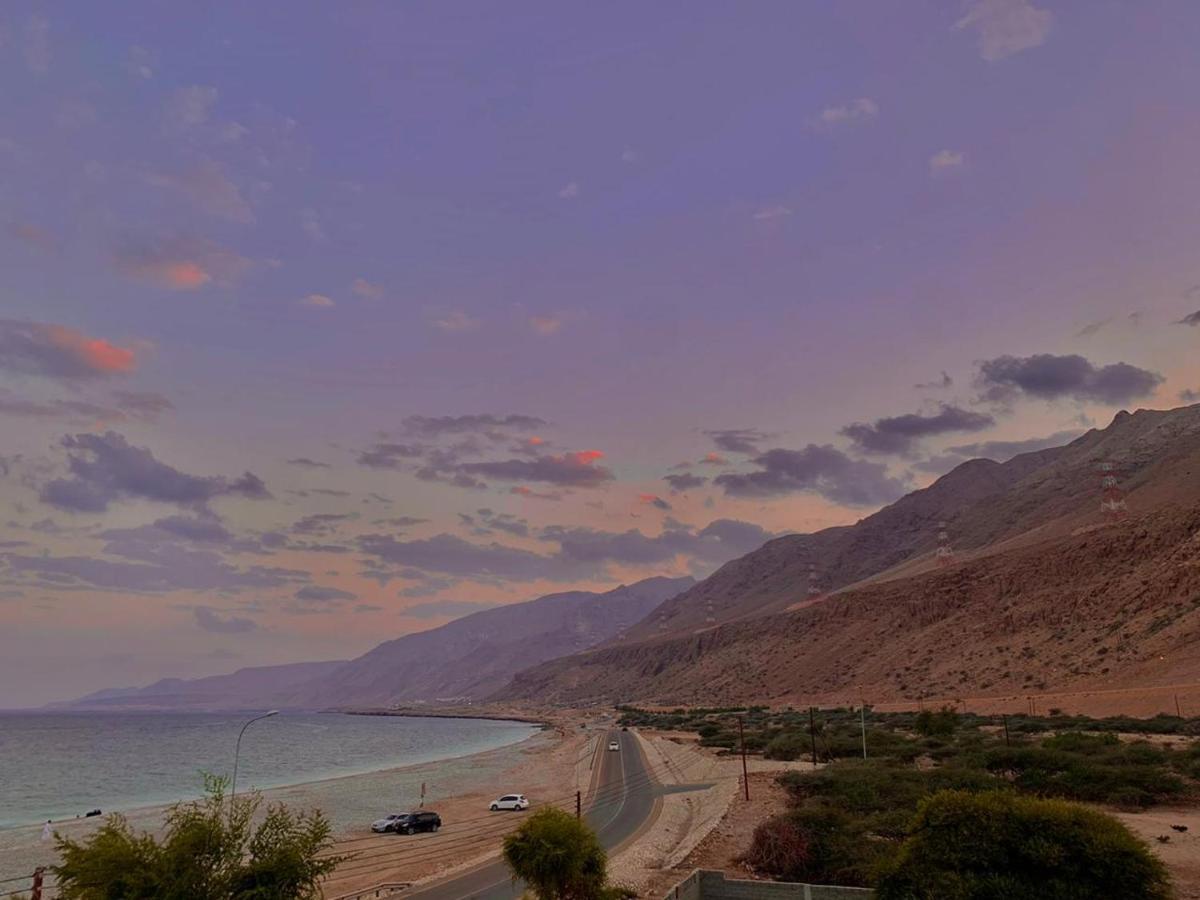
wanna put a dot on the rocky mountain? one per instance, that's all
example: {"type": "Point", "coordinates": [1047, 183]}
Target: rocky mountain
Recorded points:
{"type": "Point", "coordinates": [462, 660]}
{"type": "Point", "coordinates": [1042, 589]}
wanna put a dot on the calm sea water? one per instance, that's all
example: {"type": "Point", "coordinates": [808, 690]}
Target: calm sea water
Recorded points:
{"type": "Point", "coordinates": [59, 765]}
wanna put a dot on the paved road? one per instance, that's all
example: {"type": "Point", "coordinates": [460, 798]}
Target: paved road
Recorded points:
{"type": "Point", "coordinates": [625, 794]}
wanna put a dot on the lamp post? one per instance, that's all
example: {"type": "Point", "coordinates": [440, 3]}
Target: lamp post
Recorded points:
{"type": "Point", "coordinates": [237, 752]}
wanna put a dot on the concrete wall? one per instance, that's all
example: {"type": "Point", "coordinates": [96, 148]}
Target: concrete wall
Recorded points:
{"type": "Point", "coordinates": [706, 885]}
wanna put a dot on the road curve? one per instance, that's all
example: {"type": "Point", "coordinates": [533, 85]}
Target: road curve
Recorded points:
{"type": "Point", "coordinates": [625, 792]}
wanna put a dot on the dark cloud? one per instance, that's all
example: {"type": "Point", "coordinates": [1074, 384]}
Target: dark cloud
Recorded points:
{"type": "Point", "coordinates": [1192, 319]}
{"type": "Point", "coordinates": [317, 594]}
{"type": "Point", "coordinates": [210, 620]}
{"type": "Point", "coordinates": [1187, 395]}
{"type": "Point", "coordinates": [578, 469]}
{"type": "Point", "coordinates": [436, 426]}
{"type": "Point", "coordinates": [656, 501]}
{"type": "Point", "coordinates": [1049, 377]}
{"type": "Point", "coordinates": [144, 405]}
{"type": "Point", "coordinates": [530, 494]}
{"type": "Point", "coordinates": [816, 469]}
{"type": "Point", "coordinates": [321, 523]}
{"type": "Point", "coordinates": [426, 585]}
{"type": "Point", "coordinates": [451, 609]}
{"type": "Point", "coordinates": [1000, 451]}
{"type": "Point", "coordinates": [106, 468]}
{"type": "Point", "coordinates": [56, 351]}
{"type": "Point", "coordinates": [506, 522]}
{"type": "Point", "coordinates": [400, 521]}
{"type": "Point", "coordinates": [170, 568]}
{"type": "Point", "coordinates": [684, 482]}
{"type": "Point", "coordinates": [367, 608]}
{"type": "Point", "coordinates": [304, 462]}
{"type": "Point", "coordinates": [899, 434]}
{"type": "Point", "coordinates": [450, 555]}
{"type": "Point", "coordinates": [738, 440]}
{"type": "Point", "coordinates": [718, 542]}
{"type": "Point", "coordinates": [126, 406]}
{"type": "Point", "coordinates": [940, 384]}
{"type": "Point", "coordinates": [390, 456]}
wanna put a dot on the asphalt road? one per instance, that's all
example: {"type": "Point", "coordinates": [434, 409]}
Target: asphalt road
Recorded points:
{"type": "Point", "coordinates": [625, 795]}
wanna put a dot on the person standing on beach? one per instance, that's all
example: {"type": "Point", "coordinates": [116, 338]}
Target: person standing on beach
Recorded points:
{"type": "Point", "coordinates": [47, 831]}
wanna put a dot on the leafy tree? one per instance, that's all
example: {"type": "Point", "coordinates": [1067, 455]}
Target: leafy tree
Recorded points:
{"type": "Point", "coordinates": [937, 724]}
{"type": "Point", "coordinates": [996, 844]}
{"type": "Point", "coordinates": [212, 849]}
{"type": "Point", "coordinates": [560, 858]}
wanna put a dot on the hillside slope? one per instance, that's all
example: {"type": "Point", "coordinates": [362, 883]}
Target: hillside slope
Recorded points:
{"type": "Point", "coordinates": [477, 654]}
{"type": "Point", "coordinates": [987, 507]}
{"type": "Point", "coordinates": [1011, 523]}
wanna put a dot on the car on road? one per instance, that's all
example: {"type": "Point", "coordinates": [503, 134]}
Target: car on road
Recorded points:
{"type": "Point", "coordinates": [408, 823]}
{"type": "Point", "coordinates": [614, 745]}
{"type": "Point", "coordinates": [515, 802]}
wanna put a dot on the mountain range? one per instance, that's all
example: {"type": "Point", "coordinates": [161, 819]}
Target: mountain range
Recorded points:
{"type": "Point", "coordinates": [461, 661]}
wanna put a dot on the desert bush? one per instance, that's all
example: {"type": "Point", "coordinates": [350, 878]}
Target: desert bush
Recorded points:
{"type": "Point", "coordinates": [965, 845]}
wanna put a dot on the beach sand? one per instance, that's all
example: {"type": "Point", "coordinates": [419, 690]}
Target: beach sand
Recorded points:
{"type": "Point", "coordinates": [541, 765]}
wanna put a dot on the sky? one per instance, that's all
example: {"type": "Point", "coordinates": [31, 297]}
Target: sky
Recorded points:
{"type": "Point", "coordinates": [326, 323]}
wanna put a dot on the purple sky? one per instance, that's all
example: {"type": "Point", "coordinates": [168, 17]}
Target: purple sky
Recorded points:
{"type": "Point", "coordinates": [320, 324]}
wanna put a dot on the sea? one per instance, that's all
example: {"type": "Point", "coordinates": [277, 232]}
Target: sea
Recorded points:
{"type": "Point", "coordinates": [59, 765]}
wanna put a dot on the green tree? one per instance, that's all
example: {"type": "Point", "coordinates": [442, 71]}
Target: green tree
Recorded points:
{"type": "Point", "coordinates": [965, 846]}
{"type": "Point", "coordinates": [560, 858]}
{"type": "Point", "coordinates": [215, 848]}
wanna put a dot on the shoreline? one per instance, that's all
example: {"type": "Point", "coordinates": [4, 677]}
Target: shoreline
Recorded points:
{"type": "Point", "coordinates": [350, 801]}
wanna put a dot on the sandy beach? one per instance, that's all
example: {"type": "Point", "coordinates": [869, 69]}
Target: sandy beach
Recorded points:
{"type": "Point", "coordinates": [453, 787]}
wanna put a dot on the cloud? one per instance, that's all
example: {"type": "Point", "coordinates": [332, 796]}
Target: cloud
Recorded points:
{"type": "Point", "coordinates": [106, 468]}
{"type": "Point", "coordinates": [767, 213]}
{"type": "Point", "coordinates": [490, 521]}
{"type": "Point", "coordinates": [145, 405]}
{"type": "Point", "coordinates": [1006, 27]}
{"type": "Point", "coordinates": [530, 494]}
{"type": "Point", "coordinates": [578, 469]}
{"type": "Point", "coordinates": [478, 423]}
{"type": "Point", "coordinates": [684, 482]}
{"type": "Point", "coordinates": [629, 156]}
{"type": "Point", "coordinates": [455, 321]}
{"type": "Point", "coordinates": [1049, 377]}
{"type": "Point", "coordinates": [37, 45]}
{"type": "Point", "coordinates": [1000, 451]}
{"type": "Point", "coordinates": [546, 325]}
{"type": "Point", "coordinates": [85, 411]}
{"type": "Point", "coordinates": [304, 462]}
{"type": "Point", "coordinates": [321, 523]}
{"type": "Point", "coordinates": [390, 455]}
{"type": "Point", "coordinates": [1187, 395]}
{"type": "Point", "coordinates": [400, 521]}
{"type": "Point", "coordinates": [56, 351]}
{"type": "Point", "coordinates": [210, 620]}
{"type": "Point", "coordinates": [189, 107]}
{"type": "Point", "coordinates": [447, 609]}
{"type": "Point", "coordinates": [822, 470]}
{"type": "Point", "coordinates": [141, 62]}
{"type": "Point", "coordinates": [899, 434]}
{"type": "Point", "coordinates": [1192, 319]}
{"type": "Point", "coordinates": [569, 191]}
{"type": "Point", "coordinates": [654, 500]}
{"type": "Point", "coordinates": [858, 110]}
{"type": "Point", "coordinates": [718, 542]}
{"type": "Point", "coordinates": [33, 235]}
{"type": "Point", "coordinates": [317, 301]}
{"type": "Point", "coordinates": [946, 160]}
{"type": "Point", "coordinates": [943, 383]}
{"type": "Point", "coordinates": [209, 189]}
{"type": "Point", "coordinates": [315, 598]}
{"type": "Point", "coordinates": [1092, 328]}
{"type": "Point", "coordinates": [714, 459]}
{"type": "Point", "coordinates": [447, 554]}
{"type": "Point", "coordinates": [738, 440]}
{"type": "Point", "coordinates": [365, 289]}
{"type": "Point", "coordinates": [179, 264]}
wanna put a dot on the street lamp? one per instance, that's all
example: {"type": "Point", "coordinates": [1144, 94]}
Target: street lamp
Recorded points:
{"type": "Point", "coordinates": [237, 751]}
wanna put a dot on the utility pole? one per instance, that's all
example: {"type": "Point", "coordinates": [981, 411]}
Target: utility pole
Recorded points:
{"type": "Point", "coordinates": [812, 733]}
{"type": "Point", "coordinates": [1177, 711]}
{"type": "Point", "coordinates": [1007, 743]}
{"type": "Point", "coordinates": [742, 740]}
{"type": "Point", "coordinates": [863, 719]}
{"type": "Point", "coordinates": [578, 804]}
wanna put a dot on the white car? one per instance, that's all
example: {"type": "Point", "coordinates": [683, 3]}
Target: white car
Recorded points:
{"type": "Point", "coordinates": [510, 801]}
{"type": "Point", "coordinates": [613, 745]}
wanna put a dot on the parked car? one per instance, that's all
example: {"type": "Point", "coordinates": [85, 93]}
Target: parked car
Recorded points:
{"type": "Point", "coordinates": [613, 745]}
{"type": "Point", "coordinates": [510, 801]}
{"type": "Point", "coordinates": [408, 823]}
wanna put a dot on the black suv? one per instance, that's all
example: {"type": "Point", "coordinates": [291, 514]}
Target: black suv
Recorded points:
{"type": "Point", "coordinates": [410, 823]}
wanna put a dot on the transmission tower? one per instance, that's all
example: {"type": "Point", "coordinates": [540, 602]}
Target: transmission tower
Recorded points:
{"type": "Point", "coordinates": [709, 617]}
{"type": "Point", "coordinates": [815, 591]}
{"type": "Point", "coordinates": [1112, 499]}
{"type": "Point", "coordinates": [945, 553]}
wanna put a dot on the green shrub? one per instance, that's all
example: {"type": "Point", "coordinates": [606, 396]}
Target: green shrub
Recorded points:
{"type": "Point", "coordinates": [992, 845]}
{"type": "Point", "coordinates": [560, 858]}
